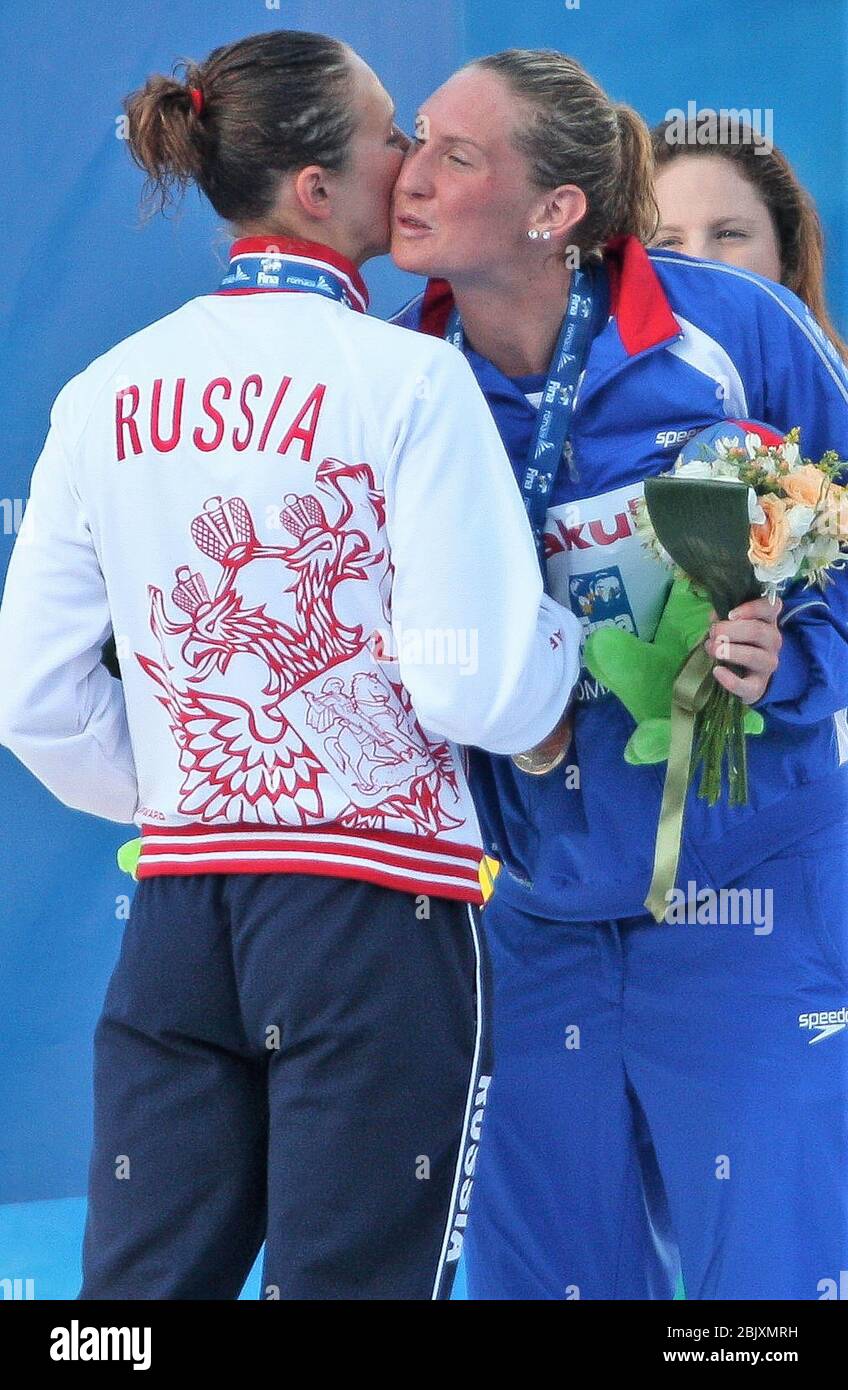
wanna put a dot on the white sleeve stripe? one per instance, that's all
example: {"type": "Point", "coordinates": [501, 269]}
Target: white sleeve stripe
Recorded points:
{"type": "Point", "coordinates": [840, 720]}
{"type": "Point", "coordinates": [791, 613]}
{"type": "Point", "coordinates": [840, 383]}
{"type": "Point", "coordinates": [707, 356]}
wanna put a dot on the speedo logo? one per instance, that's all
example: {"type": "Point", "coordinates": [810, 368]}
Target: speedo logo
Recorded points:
{"type": "Point", "coordinates": [824, 1024]}
{"type": "Point", "coordinates": [668, 438]}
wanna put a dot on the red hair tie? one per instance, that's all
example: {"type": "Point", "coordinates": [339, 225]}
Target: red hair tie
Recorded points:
{"type": "Point", "coordinates": [196, 99]}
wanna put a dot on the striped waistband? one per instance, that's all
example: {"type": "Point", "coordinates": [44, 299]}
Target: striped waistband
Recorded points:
{"type": "Point", "coordinates": [406, 862]}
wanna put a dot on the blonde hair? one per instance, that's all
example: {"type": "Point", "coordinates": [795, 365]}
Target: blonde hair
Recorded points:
{"type": "Point", "coordinates": [574, 133]}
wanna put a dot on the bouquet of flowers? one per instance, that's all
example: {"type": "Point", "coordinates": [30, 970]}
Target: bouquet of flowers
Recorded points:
{"type": "Point", "coordinates": [742, 515]}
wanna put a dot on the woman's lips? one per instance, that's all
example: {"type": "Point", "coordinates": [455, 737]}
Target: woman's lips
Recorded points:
{"type": "Point", "coordinates": [412, 227]}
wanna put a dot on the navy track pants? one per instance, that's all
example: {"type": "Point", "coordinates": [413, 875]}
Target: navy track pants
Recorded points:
{"type": "Point", "coordinates": [289, 1058]}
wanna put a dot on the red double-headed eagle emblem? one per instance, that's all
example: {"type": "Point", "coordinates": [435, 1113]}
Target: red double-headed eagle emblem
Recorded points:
{"type": "Point", "coordinates": [278, 707]}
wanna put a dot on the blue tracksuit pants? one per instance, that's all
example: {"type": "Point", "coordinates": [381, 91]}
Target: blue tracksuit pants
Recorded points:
{"type": "Point", "coordinates": [670, 1097]}
{"type": "Point", "coordinates": [288, 1058]}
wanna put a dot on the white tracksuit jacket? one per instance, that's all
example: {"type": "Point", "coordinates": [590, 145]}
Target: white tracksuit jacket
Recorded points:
{"type": "Point", "coordinates": [301, 525]}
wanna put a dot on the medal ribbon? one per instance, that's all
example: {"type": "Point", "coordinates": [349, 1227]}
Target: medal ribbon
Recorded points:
{"type": "Point", "coordinates": [278, 266]}
{"type": "Point", "coordinates": [555, 413]}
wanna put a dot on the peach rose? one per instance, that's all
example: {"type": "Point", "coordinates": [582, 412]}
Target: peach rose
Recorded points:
{"type": "Point", "coordinates": [769, 538]}
{"type": "Point", "coordinates": [803, 485]}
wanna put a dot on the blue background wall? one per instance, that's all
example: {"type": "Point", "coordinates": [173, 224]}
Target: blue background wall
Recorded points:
{"type": "Point", "coordinates": [81, 272]}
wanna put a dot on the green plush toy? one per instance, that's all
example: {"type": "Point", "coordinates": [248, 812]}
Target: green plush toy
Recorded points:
{"type": "Point", "coordinates": [642, 674]}
{"type": "Point", "coordinates": [128, 856]}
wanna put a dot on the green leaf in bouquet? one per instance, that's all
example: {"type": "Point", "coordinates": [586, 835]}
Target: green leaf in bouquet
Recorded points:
{"type": "Point", "coordinates": [704, 526]}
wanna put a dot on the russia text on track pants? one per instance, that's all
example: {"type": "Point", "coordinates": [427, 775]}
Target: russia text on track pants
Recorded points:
{"type": "Point", "coordinates": [289, 1058]}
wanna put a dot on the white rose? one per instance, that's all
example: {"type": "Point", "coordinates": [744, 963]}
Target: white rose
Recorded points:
{"type": "Point", "coordinates": [786, 568]}
{"type": "Point", "coordinates": [800, 520]}
{"type": "Point", "coordinates": [755, 511]}
{"type": "Point", "coordinates": [698, 468]}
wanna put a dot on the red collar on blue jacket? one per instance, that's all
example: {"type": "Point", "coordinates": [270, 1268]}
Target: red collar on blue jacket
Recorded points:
{"type": "Point", "coordinates": [314, 252]}
{"type": "Point", "coordinates": [637, 300]}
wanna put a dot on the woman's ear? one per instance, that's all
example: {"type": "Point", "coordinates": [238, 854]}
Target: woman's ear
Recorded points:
{"type": "Point", "coordinates": [312, 193]}
{"type": "Point", "coordinates": [560, 210]}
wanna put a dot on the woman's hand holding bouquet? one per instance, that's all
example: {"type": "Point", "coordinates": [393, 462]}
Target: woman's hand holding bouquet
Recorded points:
{"type": "Point", "coordinates": [741, 516]}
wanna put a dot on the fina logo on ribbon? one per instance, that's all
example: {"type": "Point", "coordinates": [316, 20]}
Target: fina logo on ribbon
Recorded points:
{"type": "Point", "coordinates": [536, 481]}
{"type": "Point", "coordinates": [269, 270]}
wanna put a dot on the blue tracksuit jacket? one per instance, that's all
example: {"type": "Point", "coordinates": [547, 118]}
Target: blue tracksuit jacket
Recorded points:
{"type": "Point", "coordinates": [679, 344]}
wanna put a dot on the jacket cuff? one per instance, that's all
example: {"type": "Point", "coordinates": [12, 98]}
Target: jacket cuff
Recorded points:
{"type": "Point", "coordinates": [789, 683]}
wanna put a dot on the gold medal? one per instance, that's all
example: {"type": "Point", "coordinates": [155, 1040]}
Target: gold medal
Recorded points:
{"type": "Point", "coordinates": [548, 754]}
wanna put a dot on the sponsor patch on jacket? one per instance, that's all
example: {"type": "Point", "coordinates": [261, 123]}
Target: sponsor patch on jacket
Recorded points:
{"type": "Point", "coordinates": [598, 567]}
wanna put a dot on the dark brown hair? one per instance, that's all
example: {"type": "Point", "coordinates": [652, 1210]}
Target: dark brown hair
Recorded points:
{"type": "Point", "coordinates": [575, 134]}
{"type": "Point", "coordinates": [793, 213]}
{"type": "Point", "coordinates": [271, 104]}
